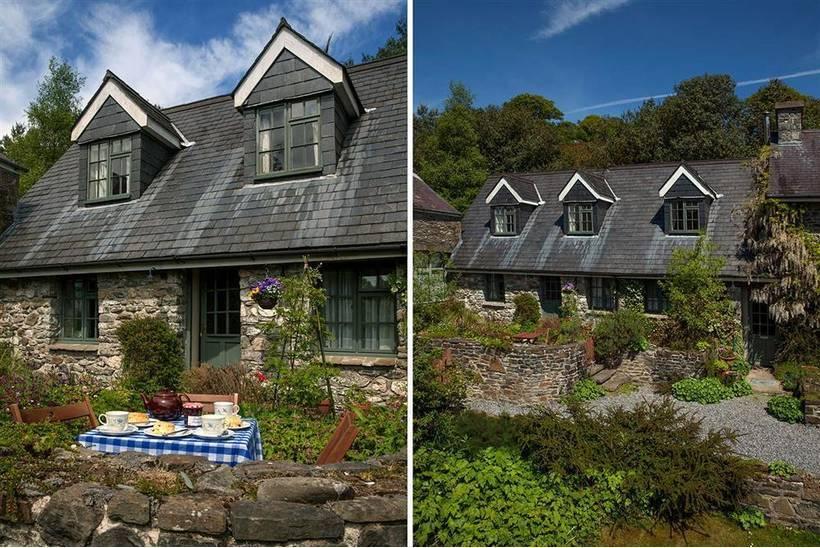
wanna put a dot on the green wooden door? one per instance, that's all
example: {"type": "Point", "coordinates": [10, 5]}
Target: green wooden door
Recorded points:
{"type": "Point", "coordinates": [763, 339]}
{"type": "Point", "coordinates": [219, 323]}
{"type": "Point", "coordinates": [550, 293]}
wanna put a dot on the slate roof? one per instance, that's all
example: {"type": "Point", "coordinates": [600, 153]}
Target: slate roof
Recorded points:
{"type": "Point", "coordinates": [631, 240]}
{"type": "Point", "coordinates": [10, 163]}
{"type": "Point", "coordinates": [196, 208]}
{"type": "Point", "coordinates": [524, 187]}
{"type": "Point", "coordinates": [598, 184]}
{"type": "Point", "coordinates": [426, 201]}
{"type": "Point", "coordinates": [794, 172]}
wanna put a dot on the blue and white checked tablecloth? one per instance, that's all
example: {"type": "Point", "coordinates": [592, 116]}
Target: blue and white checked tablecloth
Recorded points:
{"type": "Point", "coordinates": [244, 445]}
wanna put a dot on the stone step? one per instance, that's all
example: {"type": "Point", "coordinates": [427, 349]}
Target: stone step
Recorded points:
{"type": "Point", "coordinates": [764, 382]}
{"type": "Point", "coordinates": [603, 375]}
{"type": "Point", "coordinates": [615, 381]}
{"type": "Point", "coordinates": [594, 369]}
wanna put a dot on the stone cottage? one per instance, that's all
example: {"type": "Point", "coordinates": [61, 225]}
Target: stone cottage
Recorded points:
{"type": "Point", "coordinates": [436, 229]}
{"type": "Point", "coordinates": [174, 212]}
{"type": "Point", "coordinates": [602, 230]}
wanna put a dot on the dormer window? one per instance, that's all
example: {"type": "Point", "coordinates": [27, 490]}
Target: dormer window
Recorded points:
{"type": "Point", "coordinates": [288, 137]}
{"type": "Point", "coordinates": [685, 216]}
{"type": "Point", "coordinates": [686, 201]}
{"type": "Point", "coordinates": [580, 218]}
{"type": "Point", "coordinates": [505, 221]}
{"type": "Point", "coordinates": [109, 168]}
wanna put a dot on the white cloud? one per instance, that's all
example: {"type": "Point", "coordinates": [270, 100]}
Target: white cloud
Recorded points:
{"type": "Point", "coordinates": [167, 71]}
{"type": "Point", "coordinates": [564, 14]}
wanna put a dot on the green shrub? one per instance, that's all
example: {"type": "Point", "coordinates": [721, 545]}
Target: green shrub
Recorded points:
{"type": "Point", "coordinates": [452, 318]}
{"type": "Point", "coordinates": [527, 310]}
{"type": "Point", "coordinates": [749, 518]}
{"type": "Point", "coordinates": [382, 430]}
{"type": "Point", "coordinates": [303, 385]}
{"type": "Point", "coordinates": [741, 367]}
{"type": "Point", "coordinates": [151, 355]}
{"type": "Point", "coordinates": [498, 499]}
{"type": "Point", "coordinates": [586, 390]}
{"type": "Point", "coordinates": [741, 388]}
{"type": "Point", "coordinates": [623, 330]}
{"type": "Point", "coordinates": [785, 408]}
{"type": "Point", "coordinates": [18, 384]}
{"type": "Point", "coordinates": [706, 390]}
{"type": "Point", "coordinates": [789, 375]}
{"type": "Point", "coordinates": [116, 399]}
{"type": "Point", "coordinates": [782, 468]}
{"type": "Point", "coordinates": [21, 445]}
{"type": "Point", "coordinates": [294, 434]}
{"type": "Point", "coordinates": [206, 379]}
{"type": "Point", "coordinates": [677, 471]}
{"type": "Point", "coordinates": [570, 329]}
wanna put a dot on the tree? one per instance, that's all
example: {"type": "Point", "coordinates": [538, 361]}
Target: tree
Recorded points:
{"type": "Point", "coordinates": [764, 99]}
{"type": "Point", "coordinates": [50, 117]}
{"type": "Point", "coordinates": [395, 45]}
{"type": "Point", "coordinates": [460, 96]}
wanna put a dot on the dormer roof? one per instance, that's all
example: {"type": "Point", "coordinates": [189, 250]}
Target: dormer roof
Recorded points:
{"type": "Point", "coordinates": [285, 38]}
{"type": "Point", "coordinates": [144, 114]}
{"type": "Point", "coordinates": [597, 185]}
{"type": "Point", "coordinates": [521, 190]}
{"type": "Point", "coordinates": [686, 174]}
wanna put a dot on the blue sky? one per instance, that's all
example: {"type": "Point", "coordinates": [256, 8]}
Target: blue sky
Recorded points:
{"type": "Point", "coordinates": [581, 53]}
{"type": "Point", "coordinates": [171, 51]}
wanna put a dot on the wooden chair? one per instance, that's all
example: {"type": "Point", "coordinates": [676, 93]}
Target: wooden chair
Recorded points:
{"type": "Point", "coordinates": [207, 400]}
{"type": "Point", "coordinates": [62, 413]}
{"type": "Point", "coordinates": [341, 440]}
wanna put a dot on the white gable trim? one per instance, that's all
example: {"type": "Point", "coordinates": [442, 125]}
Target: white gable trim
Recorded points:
{"type": "Point", "coordinates": [135, 111]}
{"type": "Point", "coordinates": [503, 183]}
{"type": "Point", "coordinates": [692, 179]}
{"type": "Point", "coordinates": [288, 40]}
{"type": "Point", "coordinates": [578, 178]}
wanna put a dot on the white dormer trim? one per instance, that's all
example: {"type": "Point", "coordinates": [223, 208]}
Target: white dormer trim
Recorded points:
{"type": "Point", "coordinates": [286, 39]}
{"type": "Point", "coordinates": [578, 178]}
{"type": "Point", "coordinates": [111, 89]}
{"type": "Point", "coordinates": [692, 179]}
{"type": "Point", "coordinates": [503, 183]}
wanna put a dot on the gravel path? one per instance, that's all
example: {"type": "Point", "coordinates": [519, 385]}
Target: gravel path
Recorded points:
{"type": "Point", "coordinates": [759, 435]}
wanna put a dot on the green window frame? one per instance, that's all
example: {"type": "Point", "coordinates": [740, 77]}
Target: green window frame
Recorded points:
{"type": "Point", "coordinates": [580, 219]}
{"type": "Point", "coordinates": [602, 294]}
{"type": "Point", "coordinates": [685, 215]}
{"type": "Point", "coordinates": [222, 304]}
{"type": "Point", "coordinates": [79, 311]}
{"type": "Point", "coordinates": [505, 221]}
{"type": "Point", "coordinates": [360, 311]}
{"type": "Point", "coordinates": [109, 168]}
{"type": "Point", "coordinates": [654, 298]}
{"type": "Point", "coordinates": [288, 137]}
{"type": "Point", "coordinates": [494, 290]}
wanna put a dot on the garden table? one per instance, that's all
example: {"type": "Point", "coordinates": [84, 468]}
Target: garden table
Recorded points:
{"type": "Point", "coordinates": [245, 445]}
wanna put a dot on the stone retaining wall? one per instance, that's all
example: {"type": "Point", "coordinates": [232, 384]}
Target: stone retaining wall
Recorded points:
{"type": "Point", "coordinates": [527, 374]}
{"type": "Point", "coordinates": [658, 365]}
{"type": "Point", "coordinates": [257, 503]}
{"type": "Point", "coordinates": [792, 501]}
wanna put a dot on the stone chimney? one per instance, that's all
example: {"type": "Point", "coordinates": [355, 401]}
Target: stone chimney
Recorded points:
{"type": "Point", "coordinates": [789, 116]}
{"type": "Point", "coordinates": [9, 180]}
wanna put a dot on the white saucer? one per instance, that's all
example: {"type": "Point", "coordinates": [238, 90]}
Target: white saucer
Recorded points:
{"type": "Point", "coordinates": [144, 424]}
{"type": "Point", "coordinates": [180, 432]}
{"type": "Point", "coordinates": [244, 426]}
{"type": "Point", "coordinates": [224, 436]}
{"type": "Point", "coordinates": [130, 429]}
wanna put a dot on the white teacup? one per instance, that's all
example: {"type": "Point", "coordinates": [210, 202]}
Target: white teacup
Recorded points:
{"type": "Point", "coordinates": [225, 408]}
{"type": "Point", "coordinates": [213, 425]}
{"type": "Point", "coordinates": [116, 421]}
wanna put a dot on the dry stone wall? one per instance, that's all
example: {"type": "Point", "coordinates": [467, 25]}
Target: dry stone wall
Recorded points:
{"type": "Point", "coordinates": [793, 501]}
{"type": "Point", "coordinates": [527, 374]}
{"type": "Point", "coordinates": [436, 235]}
{"type": "Point", "coordinates": [661, 365]}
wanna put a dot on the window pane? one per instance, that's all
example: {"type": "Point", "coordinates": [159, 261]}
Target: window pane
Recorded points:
{"type": "Point", "coordinates": [265, 119]}
{"type": "Point", "coordinates": [297, 135]}
{"type": "Point", "coordinates": [312, 107]}
{"type": "Point", "coordinates": [126, 144]}
{"type": "Point", "coordinates": [103, 170]}
{"type": "Point", "coordinates": [103, 151]}
{"type": "Point", "coordinates": [297, 110]}
{"type": "Point", "coordinates": [95, 153]}
{"type": "Point", "coordinates": [116, 146]}
{"type": "Point", "coordinates": [264, 141]}
{"type": "Point", "coordinates": [279, 116]}
{"type": "Point", "coordinates": [297, 158]}
{"type": "Point", "coordinates": [209, 329]}
{"type": "Point", "coordinates": [311, 132]}
{"type": "Point", "coordinates": [278, 160]}
{"type": "Point", "coordinates": [278, 138]}
{"type": "Point", "coordinates": [573, 219]}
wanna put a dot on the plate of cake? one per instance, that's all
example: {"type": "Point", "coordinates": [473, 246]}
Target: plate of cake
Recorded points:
{"type": "Point", "coordinates": [140, 420]}
{"type": "Point", "coordinates": [162, 429]}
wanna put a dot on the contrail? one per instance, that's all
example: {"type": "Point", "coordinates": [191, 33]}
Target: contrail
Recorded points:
{"type": "Point", "coordinates": [663, 95]}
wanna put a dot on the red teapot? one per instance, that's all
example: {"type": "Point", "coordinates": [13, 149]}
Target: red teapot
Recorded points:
{"type": "Point", "coordinates": [165, 405]}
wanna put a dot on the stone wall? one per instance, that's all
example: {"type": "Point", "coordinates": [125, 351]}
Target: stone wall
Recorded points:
{"type": "Point", "coordinates": [435, 235]}
{"type": "Point", "coordinates": [193, 502]}
{"type": "Point", "coordinates": [811, 216]}
{"type": "Point", "coordinates": [30, 319]}
{"type": "Point", "coordinates": [792, 501]}
{"type": "Point", "coordinates": [527, 374]}
{"type": "Point", "coordinates": [657, 365]}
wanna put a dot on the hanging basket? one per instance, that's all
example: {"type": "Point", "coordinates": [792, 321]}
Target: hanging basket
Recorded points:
{"type": "Point", "coordinates": [267, 302]}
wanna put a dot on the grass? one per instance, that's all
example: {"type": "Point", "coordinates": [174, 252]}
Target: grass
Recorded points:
{"type": "Point", "coordinates": [716, 530]}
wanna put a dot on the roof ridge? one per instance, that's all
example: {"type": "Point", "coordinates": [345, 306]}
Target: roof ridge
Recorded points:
{"type": "Point", "coordinates": [196, 103]}
{"type": "Point", "coordinates": [375, 62]}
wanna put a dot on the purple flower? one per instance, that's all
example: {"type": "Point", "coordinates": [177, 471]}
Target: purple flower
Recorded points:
{"type": "Point", "coordinates": [568, 286]}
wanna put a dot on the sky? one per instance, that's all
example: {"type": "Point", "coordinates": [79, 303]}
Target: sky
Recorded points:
{"type": "Point", "coordinates": [586, 53]}
{"type": "Point", "coordinates": [170, 51]}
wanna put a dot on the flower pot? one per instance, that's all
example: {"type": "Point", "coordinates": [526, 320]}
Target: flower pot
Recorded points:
{"type": "Point", "coordinates": [323, 407]}
{"type": "Point", "coordinates": [265, 301]}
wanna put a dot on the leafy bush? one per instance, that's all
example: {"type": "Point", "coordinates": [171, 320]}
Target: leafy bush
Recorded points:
{"type": "Point", "coordinates": [706, 390]}
{"type": "Point", "coordinates": [305, 385]}
{"type": "Point", "coordinates": [206, 379]}
{"type": "Point", "coordinates": [497, 499]}
{"type": "Point", "coordinates": [571, 329]}
{"type": "Point", "coordinates": [749, 518]}
{"type": "Point", "coordinates": [452, 319]}
{"type": "Point", "coordinates": [782, 468]}
{"type": "Point", "coordinates": [18, 383]}
{"type": "Point", "coordinates": [615, 334]}
{"type": "Point", "coordinates": [527, 310]}
{"type": "Point", "coordinates": [741, 388]}
{"type": "Point", "coordinates": [293, 434]}
{"type": "Point", "coordinates": [22, 444]}
{"type": "Point", "coordinates": [382, 430]}
{"type": "Point", "coordinates": [151, 355]}
{"type": "Point", "coordinates": [785, 408]}
{"type": "Point", "coordinates": [789, 375]}
{"type": "Point", "coordinates": [677, 472]}
{"type": "Point", "coordinates": [741, 367]}
{"type": "Point", "coordinates": [586, 390]}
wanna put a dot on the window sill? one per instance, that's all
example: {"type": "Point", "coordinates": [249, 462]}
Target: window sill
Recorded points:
{"type": "Point", "coordinates": [287, 174]}
{"type": "Point", "coordinates": [73, 347]}
{"type": "Point", "coordinates": [108, 200]}
{"type": "Point", "coordinates": [362, 360]}
{"type": "Point", "coordinates": [494, 304]}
